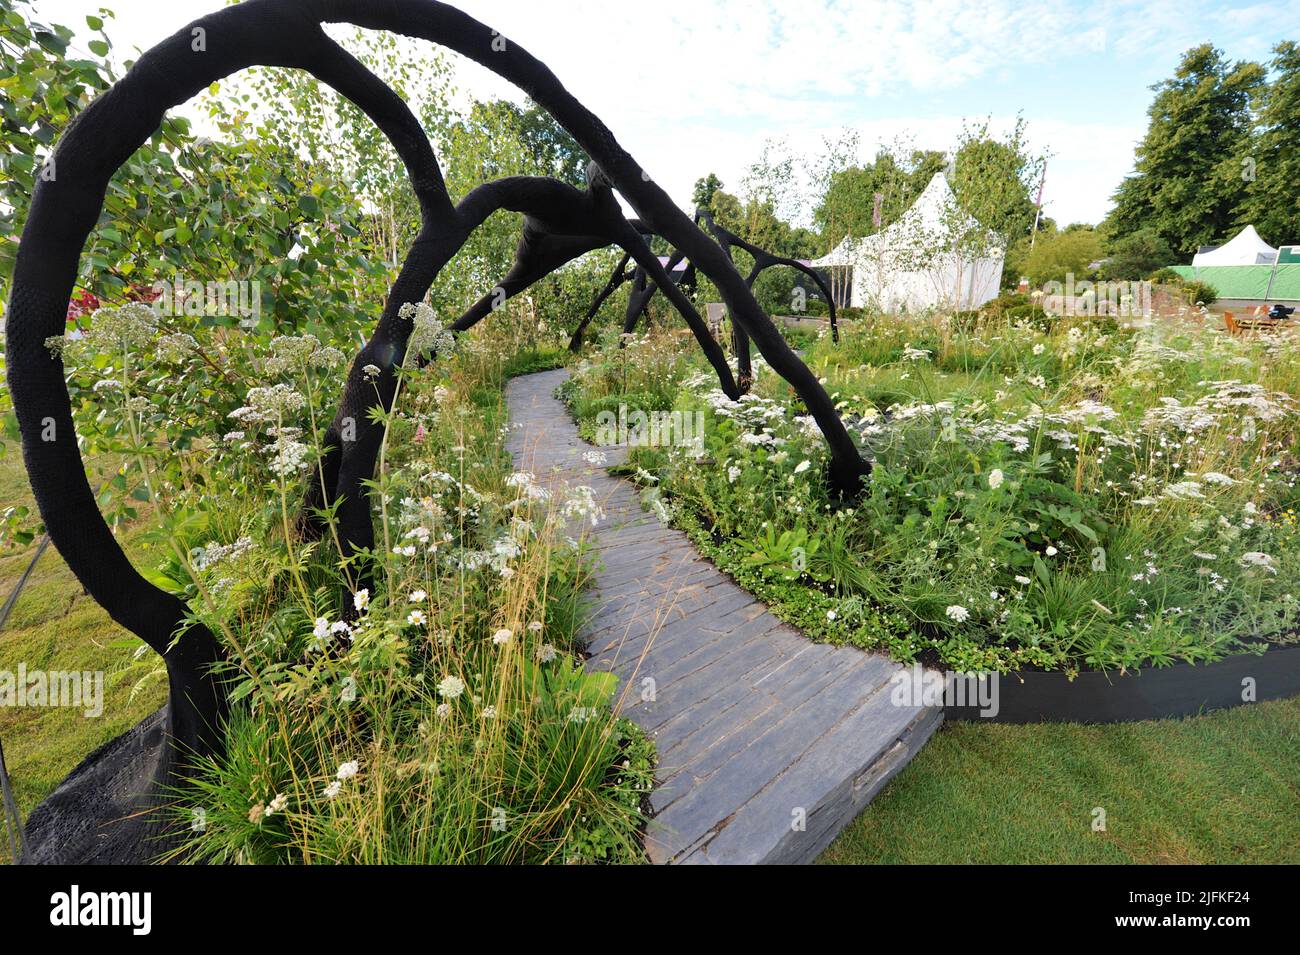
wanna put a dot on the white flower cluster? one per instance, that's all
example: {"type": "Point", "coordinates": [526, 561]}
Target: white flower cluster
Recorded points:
{"type": "Point", "coordinates": [525, 482]}
{"type": "Point", "coordinates": [269, 405]}
{"type": "Point", "coordinates": [323, 633]}
{"type": "Point", "coordinates": [752, 412]}
{"type": "Point", "coordinates": [176, 348]}
{"type": "Point", "coordinates": [427, 333]}
{"type": "Point", "coordinates": [288, 455]}
{"type": "Point", "coordinates": [132, 325]}
{"type": "Point", "coordinates": [212, 554]}
{"type": "Point", "coordinates": [290, 353]}
{"type": "Point", "coordinates": [581, 504]}
{"type": "Point", "coordinates": [1225, 399]}
{"type": "Point", "coordinates": [463, 500]}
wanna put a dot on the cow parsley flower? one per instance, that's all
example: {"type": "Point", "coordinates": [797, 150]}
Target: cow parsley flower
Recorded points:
{"type": "Point", "coordinates": [957, 613]}
{"type": "Point", "coordinates": [582, 504]}
{"type": "Point", "coordinates": [1255, 558]}
{"type": "Point", "coordinates": [451, 687]}
{"type": "Point", "coordinates": [271, 405]}
{"type": "Point", "coordinates": [427, 333]}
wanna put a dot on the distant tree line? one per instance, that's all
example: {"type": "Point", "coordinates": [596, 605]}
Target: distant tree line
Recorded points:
{"type": "Point", "coordinates": [1220, 152]}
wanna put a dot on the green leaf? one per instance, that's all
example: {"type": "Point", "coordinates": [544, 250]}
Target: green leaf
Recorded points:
{"type": "Point", "coordinates": [98, 47]}
{"type": "Point", "coordinates": [1041, 570]}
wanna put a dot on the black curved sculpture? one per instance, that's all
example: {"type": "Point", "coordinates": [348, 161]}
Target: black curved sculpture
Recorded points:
{"type": "Point", "coordinates": [762, 260]}
{"type": "Point", "coordinates": [639, 300]}
{"type": "Point", "coordinates": [560, 219]}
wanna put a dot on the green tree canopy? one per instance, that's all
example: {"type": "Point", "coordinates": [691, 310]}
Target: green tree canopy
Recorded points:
{"type": "Point", "coordinates": [1187, 181]}
{"type": "Point", "coordinates": [706, 187]}
{"type": "Point", "coordinates": [549, 148]}
{"type": "Point", "coordinates": [1271, 171]}
{"type": "Point", "coordinates": [1058, 254]}
{"type": "Point", "coordinates": [1136, 256]}
{"type": "Point", "coordinates": [848, 207]}
{"type": "Point", "coordinates": [995, 180]}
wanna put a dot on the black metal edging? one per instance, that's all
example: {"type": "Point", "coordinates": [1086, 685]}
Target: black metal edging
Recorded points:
{"type": "Point", "coordinates": [1148, 693]}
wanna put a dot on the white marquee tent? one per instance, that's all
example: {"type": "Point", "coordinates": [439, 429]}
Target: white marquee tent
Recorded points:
{"type": "Point", "coordinates": [934, 256]}
{"type": "Point", "coordinates": [1245, 248]}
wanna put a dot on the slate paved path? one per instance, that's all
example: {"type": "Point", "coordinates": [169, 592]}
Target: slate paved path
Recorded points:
{"type": "Point", "coordinates": [768, 743]}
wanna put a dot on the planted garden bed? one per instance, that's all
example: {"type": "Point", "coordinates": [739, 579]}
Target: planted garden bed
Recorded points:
{"type": "Point", "coordinates": [1092, 504]}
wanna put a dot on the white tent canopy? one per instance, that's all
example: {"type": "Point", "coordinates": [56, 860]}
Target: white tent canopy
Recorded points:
{"type": "Point", "coordinates": [934, 256]}
{"type": "Point", "coordinates": [1245, 248]}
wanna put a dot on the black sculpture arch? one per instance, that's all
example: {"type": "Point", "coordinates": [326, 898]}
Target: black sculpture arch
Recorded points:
{"type": "Point", "coordinates": [763, 260]}
{"type": "Point", "coordinates": [639, 299]}
{"type": "Point", "coordinates": [559, 218]}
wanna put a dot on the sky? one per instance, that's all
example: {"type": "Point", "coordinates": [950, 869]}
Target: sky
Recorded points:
{"type": "Point", "coordinates": [698, 87]}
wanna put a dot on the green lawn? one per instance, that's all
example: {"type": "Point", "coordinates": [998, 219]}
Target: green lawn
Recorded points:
{"type": "Point", "coordinates": [55, 626]}
{"type": "Point", "coordinates": [1220, 788]}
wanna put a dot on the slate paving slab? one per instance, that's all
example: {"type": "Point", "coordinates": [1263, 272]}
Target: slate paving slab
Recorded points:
{"type": "Point", "coordinates": [768, 743]}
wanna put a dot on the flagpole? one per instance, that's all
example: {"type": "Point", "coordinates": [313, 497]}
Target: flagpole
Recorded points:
{"type": "Point", "coordinates": [1038, 206]}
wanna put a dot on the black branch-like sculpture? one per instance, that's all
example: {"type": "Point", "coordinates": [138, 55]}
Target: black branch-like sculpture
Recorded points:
{"type": "Point", "coordinates": [763, 260]}
{"type": "Point", "coordinates": [95, 816]}
{"type": "Point", "coordinates": [617, 279]}
{"type": "Point", "coordinates": [642, 291]}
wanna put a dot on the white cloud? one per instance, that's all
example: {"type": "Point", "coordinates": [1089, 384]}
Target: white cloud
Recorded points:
{"type": "Point", "coordinates": [690, 88]}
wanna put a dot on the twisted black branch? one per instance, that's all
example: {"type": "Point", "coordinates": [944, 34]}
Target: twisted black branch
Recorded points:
{"type": "Point", "coordinates": [619, 277]}
{"type": "Point", "coordinates": [763, 259]}
{"type": "Point", "coordinates": [287, 33]}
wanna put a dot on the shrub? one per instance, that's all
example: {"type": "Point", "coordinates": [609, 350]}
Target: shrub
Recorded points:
{"type": "Point", "coordinates": [1165, 276]}
{"type": "Point", "coordinates": [1199, 293]}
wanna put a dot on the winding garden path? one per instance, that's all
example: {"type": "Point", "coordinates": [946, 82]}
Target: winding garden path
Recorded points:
{"type": "Point", "coordinates": [768, 743]}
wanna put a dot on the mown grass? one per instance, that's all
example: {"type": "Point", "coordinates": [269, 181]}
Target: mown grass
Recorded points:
{"type": "Point", "coordinates": [1219, 788]}
{"type": "Point", "coordinates": [54, 625]}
